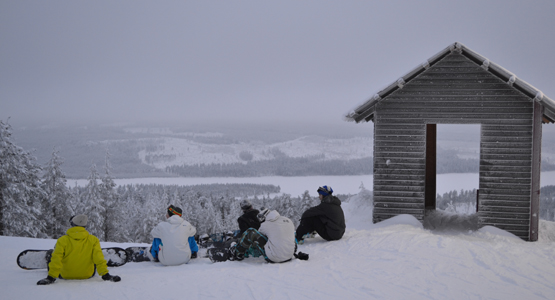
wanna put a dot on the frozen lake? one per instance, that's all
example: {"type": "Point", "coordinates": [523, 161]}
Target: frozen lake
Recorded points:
{"type": "Point", "coordinates": [295, 186]}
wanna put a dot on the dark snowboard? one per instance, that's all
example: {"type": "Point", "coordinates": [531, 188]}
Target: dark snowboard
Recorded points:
{"type": "Point", "coordinates": [38, 259]}
{"type": "Point", "coordinates": [219, 254]}
{"type": "Point", "coordinates": [215, 239]}
{"type": "Point", "coordinates": [139, 254]}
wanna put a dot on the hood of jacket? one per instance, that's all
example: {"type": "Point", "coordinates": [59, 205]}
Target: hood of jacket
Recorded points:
{"type": "Point", "coordinates": [77, 233]}
{"type": "Point", "coordinates": [272, 216]}
{"type": "Point", "coordinates": [175, 219]}
{"type": "Point", "coordinates": [331, 199]}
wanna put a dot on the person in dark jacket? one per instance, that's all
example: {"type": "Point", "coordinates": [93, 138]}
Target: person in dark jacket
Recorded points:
{"type": "Point", "coordinates": [248, 219]}
{"type": "Point", "coordinates": [327, 218]}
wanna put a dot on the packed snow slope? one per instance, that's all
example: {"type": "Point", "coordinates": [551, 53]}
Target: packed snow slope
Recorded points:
{"type": "Point", "coordinates": [394, 259]}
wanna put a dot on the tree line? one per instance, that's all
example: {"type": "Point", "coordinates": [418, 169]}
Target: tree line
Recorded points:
{"type": "Point", "coordinates": [36, 202]}
{"type": "Point", "coordinates": [280, 166]}
{"type": "Point", "coordinates": [464, 202]}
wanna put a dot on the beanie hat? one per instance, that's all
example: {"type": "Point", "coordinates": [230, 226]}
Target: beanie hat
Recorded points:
{"type": "Point", "coordinates": [245, 204]}
{"type": "Point", "coordinates": [174, 210]}
{"type": "Point", "coordinates": [79, 220]}
{"type": "Point", "coordinates": [325, 190]}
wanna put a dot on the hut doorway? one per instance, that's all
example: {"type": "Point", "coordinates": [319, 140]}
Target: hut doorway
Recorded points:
{"type": "Point", "coordinates": [452, 148]}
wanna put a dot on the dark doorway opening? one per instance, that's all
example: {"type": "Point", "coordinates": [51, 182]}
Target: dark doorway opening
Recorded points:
{"type": "Point", "coordinates": [453, 152]}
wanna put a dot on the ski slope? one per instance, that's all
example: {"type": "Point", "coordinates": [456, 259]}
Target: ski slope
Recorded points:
{"type": "Point", "coordinates": [394, 259]}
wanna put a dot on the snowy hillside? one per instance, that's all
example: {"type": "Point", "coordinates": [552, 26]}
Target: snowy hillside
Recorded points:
{"type": "Point", "coordinates": [182, 151]}
{"type": "Point", "coordinates": [395, 259]}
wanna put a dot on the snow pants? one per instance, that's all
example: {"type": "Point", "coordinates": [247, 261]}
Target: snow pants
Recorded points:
{"type": "Point", "coordinates": [252, 242]}
{"type": "Point", "coordinates": [312, 224]}
{"type": "Point", "coordinates": [156, 243]}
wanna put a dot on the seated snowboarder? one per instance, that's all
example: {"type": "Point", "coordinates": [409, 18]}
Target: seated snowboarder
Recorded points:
{"type": "Point", "coordinates": [275, 238]}
{"type": "Point", "coordinates": [248, 219]}
{"type": "Point", "coordinates": [77, 255]}
{"type": "Point", "coordinates": [327, 218]}
{"type": "Point", "coordinates": [174, 242]}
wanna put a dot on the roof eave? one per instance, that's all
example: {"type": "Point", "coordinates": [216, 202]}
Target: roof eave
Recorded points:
{"type": "Point", "coordinates": [367, 109]}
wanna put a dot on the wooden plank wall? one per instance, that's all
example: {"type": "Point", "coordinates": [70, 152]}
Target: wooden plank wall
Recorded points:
{"type": "Point", "coordinates": [455, 91]}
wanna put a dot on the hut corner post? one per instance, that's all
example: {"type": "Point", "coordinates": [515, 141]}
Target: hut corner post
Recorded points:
{"type": "Point", "coordinates": [536, 169]}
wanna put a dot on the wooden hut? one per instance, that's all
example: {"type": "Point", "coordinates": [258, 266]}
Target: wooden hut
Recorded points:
{"type": "Point", "coordinates": [459, 86]}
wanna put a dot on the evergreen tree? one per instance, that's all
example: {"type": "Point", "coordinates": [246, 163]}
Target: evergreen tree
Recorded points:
{"type": "Point", "coordinates": [286, 206]}
{"type": "Point", "coordinates": [20, 191]}
{"type": "Point", "coordinates": [306, 202]}
{"type": "Point", "coordinates": [74, 203]}
{"type": "Point", "coordinates": [207, 220]}
{"type": "Point", "coordinates": [56, 210]}
{"type": "Point", "coordinates": [126, 207]}
{"type": "Point", "coordinates": [110, 203]}
{"type": "Point", "coordinates": [94, 205]}
{"type": "Point", "coordinates": [137, 200]}
{"type": "Point", "coordinates": [153, 212]}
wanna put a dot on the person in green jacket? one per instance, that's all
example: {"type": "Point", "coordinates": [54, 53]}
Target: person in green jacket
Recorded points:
{"type": "Point", "coordinates": [77, 255]}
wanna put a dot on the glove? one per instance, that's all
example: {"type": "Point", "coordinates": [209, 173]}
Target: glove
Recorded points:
{"type": "Point", "coordinates": [107, 277]}
{"type": "Point", "coordinates": [301, 256]}
{"type": "Point", "coordinates": [47, 280]}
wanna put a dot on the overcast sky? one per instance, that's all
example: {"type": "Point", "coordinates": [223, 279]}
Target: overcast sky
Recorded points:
{"type": "Point", "coordinates": [285, 61]}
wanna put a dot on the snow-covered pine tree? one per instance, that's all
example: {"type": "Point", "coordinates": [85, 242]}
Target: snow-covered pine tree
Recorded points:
{"type": "Point", "coordinates": [191, 209]}
{"type": "Point", "coordinates": [94, 205]}
{"type": "Point", "coordinates": [135, 200]}
{"type": "Point", "coordinates": [56, 210]}
{"type": "Point", "coordinates": [127, 208]}
{"type": "Point", "coordinates": [207, 220]}
{"type": "Point", "coordinates": [111, 208]}
{"type": "Point", "coordinates": [74, 203]}
{"type": "Point", "coordinates": [165, 199]}
{"type": "Point", "coordinates": [20, 191]}
{"type": "Point", "coordinates": [152, 213]}
{"type": "Point", "coordinates": [306, 202]}
{"type": "Point", "coordinates": [229, 211]}
{"type": "Point", "coordinates": [286, 206]}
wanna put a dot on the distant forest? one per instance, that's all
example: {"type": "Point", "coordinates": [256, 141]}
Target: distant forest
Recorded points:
{"type": "Point", "coordinates": [448, 162]}
{"type": "Point", "coordinates": [464, 202]}
{"type": "Point", "coordinates": [283, 166]}
{"type": "Point", "coordinates": [83, 146]}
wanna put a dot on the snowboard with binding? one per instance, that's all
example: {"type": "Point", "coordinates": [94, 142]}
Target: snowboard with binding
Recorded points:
{"type": "Point", "coordinates": [215, 239]}
{"type": "Point", "coordinates": [139, 254]}
{"type": "Point", "coordinates": [38, 259]}
{"type": "Point", "coordinates": [219, 254]}
{"type": "Point", "coordinates": [223, 252]}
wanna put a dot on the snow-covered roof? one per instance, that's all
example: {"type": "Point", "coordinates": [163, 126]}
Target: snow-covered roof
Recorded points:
{"type": "Point", "coordinates": [364, 111]}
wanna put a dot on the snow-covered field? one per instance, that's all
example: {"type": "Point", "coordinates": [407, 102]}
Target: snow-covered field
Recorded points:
{"type": "Point", "coordinates": [395, 259]}
{"type": "Point", "coordinates": [182, 151]}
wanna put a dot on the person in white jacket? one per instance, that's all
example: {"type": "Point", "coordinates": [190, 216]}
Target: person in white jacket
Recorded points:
{"type": "Point", "coordinates": [275, 238]}
{"type": "Point", "coordinates": [173, 239]}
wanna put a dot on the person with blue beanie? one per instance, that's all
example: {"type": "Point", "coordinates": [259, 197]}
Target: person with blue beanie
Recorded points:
{"type": "Point", "coordinates": [327, 219]}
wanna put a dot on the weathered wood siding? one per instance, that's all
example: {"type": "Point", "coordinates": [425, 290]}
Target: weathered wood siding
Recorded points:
{"type": "Point", "coordinates": [456, 91]}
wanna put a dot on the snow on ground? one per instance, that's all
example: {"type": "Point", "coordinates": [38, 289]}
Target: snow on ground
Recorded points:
{"type": "Point", "coordinates": [394, 259]}
{"type": "Point", "coordinates": [181, 151]}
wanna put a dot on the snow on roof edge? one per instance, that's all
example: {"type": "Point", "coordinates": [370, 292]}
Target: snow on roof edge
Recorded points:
{"type": "Point", "coordinates": [489, 66]}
